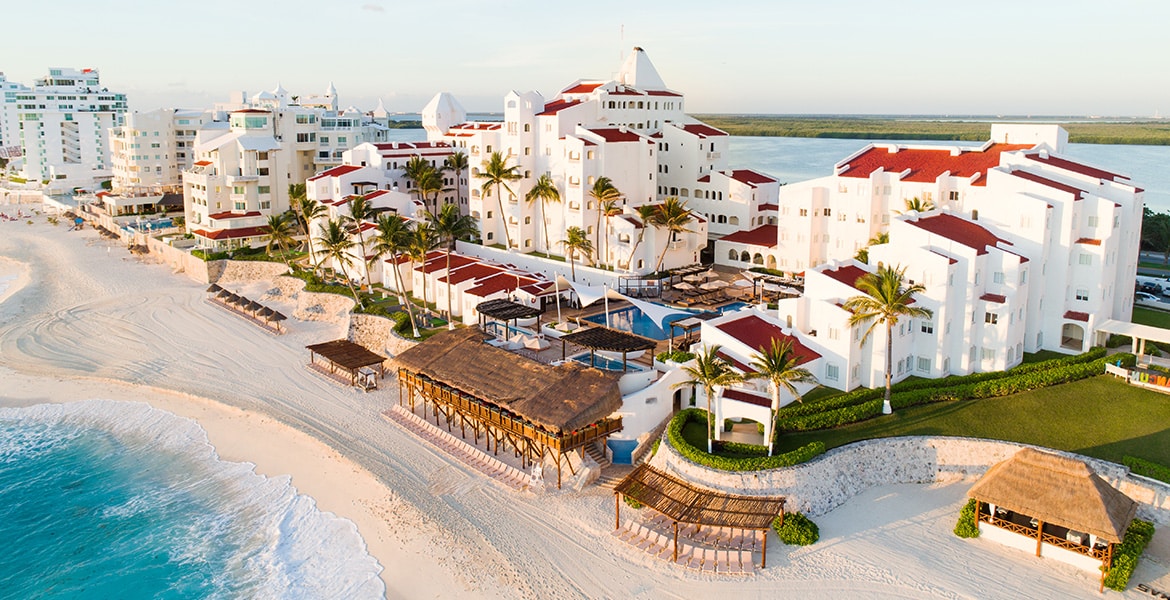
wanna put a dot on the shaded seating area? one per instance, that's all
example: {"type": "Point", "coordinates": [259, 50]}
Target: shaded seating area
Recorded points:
{"type": "Point", "coordinates": [605, 339]}
{"type": "Point", "coordinates": [687, 326]}
{"type": "Point", "coordinates": [535, 410]}
{"type": "Point", "coordinates": [347, 362]}
{"type": "Point", "coordinates": [508, 315]}
{"type": "Point", "coordinates": [691, 511]}
{"type": "Point", "coordinates": [255, 312]}
{"type": "Point", "coordinates": [1059, 504]}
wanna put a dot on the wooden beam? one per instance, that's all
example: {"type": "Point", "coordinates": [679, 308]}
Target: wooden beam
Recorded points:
{"type": "Point", "coordinates": [675, 541]}
{"type": "Point", "coordinates": [617, 511]}
{"type": "Point", "coordinates": [1039, 536]}
{"type": "Point", "coordinates": [764, 559]}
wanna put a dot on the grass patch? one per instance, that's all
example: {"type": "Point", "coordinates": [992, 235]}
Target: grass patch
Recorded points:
{"type": "Point", "coordinates": [548, 256]}
{"type": "Point", "coordinates": [1151, 317]}
{"type": "Point", "coordinates": [1099, 416]}
{"type": "Point", "coordinates": [1154, 265]}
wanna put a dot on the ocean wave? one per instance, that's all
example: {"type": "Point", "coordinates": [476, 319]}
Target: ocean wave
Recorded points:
{"type": "Point", "coordinates": [284, 547]}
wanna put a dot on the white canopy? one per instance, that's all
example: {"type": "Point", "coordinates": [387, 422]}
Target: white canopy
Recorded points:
{"type": "Point", "coordinates": [657, 312]}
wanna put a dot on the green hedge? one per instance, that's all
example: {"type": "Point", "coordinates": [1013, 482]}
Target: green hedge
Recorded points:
{"type": "Point", "coordinates": [209, 256]}
{"type": "Point", "coordinates": [1146, 468]}
{"type": "Point", "coordinates": [797, 530]}
{"type": "Point", "coordinates": [1125, 560]}
{"type": "Point", "coordinates": [402, 323]}
{"type": "Point", "coordinates": [967, 527]}
{"type": "Point", "coordinates": [866, 404]}
{"type": "Point", "coordinates": [753, 463]}
{"type": "Point", "coordinates": [678, 356]}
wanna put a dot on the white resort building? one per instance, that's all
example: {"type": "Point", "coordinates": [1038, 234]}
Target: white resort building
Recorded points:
{"type": "Point", "coordinates": [62, 125]}
{"type": "Point", "coordinates": [151, 150]}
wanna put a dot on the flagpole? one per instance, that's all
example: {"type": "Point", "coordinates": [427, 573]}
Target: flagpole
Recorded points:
{"type": "Point", "coordinates": [606, 287]}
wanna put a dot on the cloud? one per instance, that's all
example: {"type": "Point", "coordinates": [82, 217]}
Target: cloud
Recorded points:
{"type": "Point", "coordinates": [373, 7]}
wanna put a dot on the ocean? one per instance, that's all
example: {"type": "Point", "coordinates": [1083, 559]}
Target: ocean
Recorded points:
{"type": "Point", "coordinates": [107, 499]}
{"type": "Point", "coordinates": [797, 159]}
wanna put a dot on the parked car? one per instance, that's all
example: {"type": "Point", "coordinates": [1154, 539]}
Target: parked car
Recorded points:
{"type": "Point", "coordinates": [1147, 299]}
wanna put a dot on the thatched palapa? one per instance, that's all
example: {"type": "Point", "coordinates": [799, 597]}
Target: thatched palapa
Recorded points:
{"type": "Point", "coordinates": [1057, 490]}
{"type": "Point", "coordinates": [559, 399]}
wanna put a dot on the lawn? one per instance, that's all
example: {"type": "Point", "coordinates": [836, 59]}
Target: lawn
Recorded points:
{"type": "Point", "coordinates": [1100, 417]}
{"type": "Point", "coordinates": [1150, 316]}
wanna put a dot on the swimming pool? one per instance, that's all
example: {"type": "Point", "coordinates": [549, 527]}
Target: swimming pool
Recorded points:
{"type": "Point", "coordinates": [607, 364]}
{"type": "Point", "coordinates": [635, 321]}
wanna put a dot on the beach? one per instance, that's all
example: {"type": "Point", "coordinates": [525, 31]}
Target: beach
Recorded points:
{"type": "Point", "coordinates": [85, 319]}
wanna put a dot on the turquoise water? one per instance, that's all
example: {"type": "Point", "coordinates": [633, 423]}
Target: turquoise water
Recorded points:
{"type": "Point", "coordinates": [608, 364]}
{"type": "Point", "coordinates": [635, 321]}
{"type": "Point", "coordinates": [118, 500]}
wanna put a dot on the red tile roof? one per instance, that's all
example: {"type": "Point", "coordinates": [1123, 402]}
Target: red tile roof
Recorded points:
{"type": "Point", "coordinates": [764, 235]}
{"type": "Point", "coordinates": [752, 178]}
{"type": "Point", "coordinates": [663, 93]}
{"type": "Point", "coordinates": [466, 271]}
{"type": "Point", "coordinates": [767, 207]}
{"type": "Point", "coordinates": [203, 163]}
{"type": "Point", "coordinates": [928, 165]}
{"type": "Point", "coordinates": [1077, 316]}
{"type": "Point", "coordinates": [1064, 187]}
{"type": "Point", "coordinates": [958, 230]}
{"type": "Point", "coordinates": [746, 396]}
{"type": "Point", "coordinates": [1075, 167]}
{"type": "Point", "coordinates": [582, 88]}
{"type": "Point", "coordinates": [614, 135]}
{"type": "Point", "coordinates": [847, 274]}
{"type": "Point", "coordinates": [556, 106]}
{"type": "Point", "coordinates": [504, 282]}
{"type": "Point", "coordinates": [1089, 241]}
{"type": "Point", "coordinates": [335, 172]}
{"type": "Point", "coordinates": [249, 110]}
{"type": "Point", "coordinates": [704, 179]}
{"type": "Point", "coordinates": [735, 363]}
{"type": "Point", "coordinates": [231, 215]}
{"type": "Point", "coordinates": [996, 298]}
{"type": "Point", "coordinates": [702, 130]}
{"type": "Point", "coordinates": [757, 333]}
{"type": "Point", "coordinates": [231, 234]}
{"type": "Point", "coordinates": [633, 221]}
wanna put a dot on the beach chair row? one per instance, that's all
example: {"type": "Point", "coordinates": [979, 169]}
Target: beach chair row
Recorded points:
{"type": "Point", "coordinates": [473, 457]}
{"type": "Point", "coordinates": [709, 535]}
{"type": "Point", "coordinates": [698, 558]}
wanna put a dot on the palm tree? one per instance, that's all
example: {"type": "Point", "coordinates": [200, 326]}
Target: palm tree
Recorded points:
{"type": "Point", "coordinates": [450, 225]}
{"type": "Point", "coordinates": [393, 236]}
{"type": "Point", "coordinates": [646, 213]}
{"type": "Point", "coordinates": [885, 299]}
{"type": "Point", "coordinates": [457, 163]}
{"type": "Point", "coordinates": [496, 173]}
{"type": "Point", "coordinates": [917, 204]}
{"type": "Point", "coordinates": [309, 211]}
{"type": "Point", "coordinates": [576, 240]}
{"type": "Point", "coordinates": [605, 193]}
{"type": "Point", "coordinates": [545, 190]}
{"type": "Point", "coordinates": [673, 216]}
{"type": "Point", "coordinates": [710, 372]}
{"type": "Point", "coordinates": [430, 182]}
{"type": "Point", "coordinates": [609, 208]}
{"type": "Point", "coordinates": [1156, 233]}
{"type": "Point", "coordinates": [360, 211]}
{"type": "Point", "coordinates": [881, 238]}
{"type": "Point", "coordinates": [779, 365]}
{"type": "Point", "coordinates": [422, 241]}
{"type": "Point", "coordinates": [280, 235]}
{"type": "Point", "coordinates": [337, 245]}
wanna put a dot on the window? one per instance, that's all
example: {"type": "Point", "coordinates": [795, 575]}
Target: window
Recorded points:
{"type": "Point", "coordinates": [987, 354]}
{"type": "Point", "coordinates": [927, 327]}
{"type": "Point", "coordinates": [953, 195]}
{"type": "Point", "coordinates": [827, 212]}
{"type": "Point", "coordinates": [1082, 294]}
{"type": "Point", "coordinates": [923, 364]}
{"type": "Point", "coordinates": [991, 318]}
{"type": "Point", "coordinates": [1023, 277]}
{"type": "Point", "coordinates": [237, 189]}
{"type": "Point", "coordinates": [832, 372]}
{"type": "Point", "coordinates": [834, 334]}
{"type": "Point", "coordinates": [263, 189]}
{"type": "Point", "coordinates": [997, 277]}
{"type": "Point", "coordinates": [804, 212]}
{"type": "Point", "coordinates": [1093, 221]}
{"type": "Point", "coordinates": [899, 366]}
{"type": "Point", "coordinates": [1085, 259]}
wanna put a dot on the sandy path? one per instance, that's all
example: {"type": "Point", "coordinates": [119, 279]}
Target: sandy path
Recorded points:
{"type": "Point", "coordinates": [94, 322]}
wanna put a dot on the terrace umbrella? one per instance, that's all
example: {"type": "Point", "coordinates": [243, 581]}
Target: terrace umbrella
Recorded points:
{"type": "Point", "coordinates": [278, 316]}
{"type": "Point", "coordinates": [710, 274]}
{"type": "Point", "coordinates": [693, 278]}
{"type": "Point", "coordinates": [213, 288]}
{"type": "Point", "coordinates": [264, 312]}
{"type": "Point", "coordinates": [230, 298]}
{"type": "Point", "coordinates": [222, 293]}
{"type": "Point", "coordinates": [254, 306]}
{"type": "Point", "coordinates": [744, 283]}
{"type": "Point", "coordinates": [716, 284]}
{"type": "Point", "coordinates": [772, 287]}
{"type": "Point", "coordinates": [240, 301]}
{"type": "Point", "coordinates": [683, 286]}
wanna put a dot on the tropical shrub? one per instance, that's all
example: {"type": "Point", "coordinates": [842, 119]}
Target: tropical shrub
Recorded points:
{"type": "Point", "coordinates": [1146, 468]}
{"type": "Point", "coordinates": [675, 438]}
{"type": "Point", "coordinates": [967, 527]}
{"type": "Point", "coordinates": [1125, 559]}
{"type": "Point", "coordinates": [401, 323]}
{"type": "Point", "coordinates": [678, 356]}
{"type": "Point", "coordinates": [797, 530]}
{"type": "Point", "coordinates": [634, 504]}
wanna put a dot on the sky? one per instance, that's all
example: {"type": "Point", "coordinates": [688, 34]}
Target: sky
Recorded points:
{"type": "Point", "coordinates": [995, 57]}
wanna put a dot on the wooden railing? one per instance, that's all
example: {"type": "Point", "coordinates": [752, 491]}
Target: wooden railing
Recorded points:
{"type": "Point", "coordinates": [1047, 538]}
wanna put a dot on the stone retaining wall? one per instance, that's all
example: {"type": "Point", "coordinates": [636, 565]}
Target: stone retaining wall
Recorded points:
{"type": "Point", "coordinates": [828, 481]}
{"type": "Point", "coordinates": [316, 306]}
{"type": "Point", "coordinates": [372, 331]}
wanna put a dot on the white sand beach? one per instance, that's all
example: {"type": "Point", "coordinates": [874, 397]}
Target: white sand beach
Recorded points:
{"type": "Point", "coordinates": [87, 320]}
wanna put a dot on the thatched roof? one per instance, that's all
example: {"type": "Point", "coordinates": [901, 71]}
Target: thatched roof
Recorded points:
{"type": "Point", "coordinates": [560, 399]}
{"type": "Point", "coordinates": [506, 310]}
{"type": "Point", "coordinates": [1057, 490]}
{"type": "Point", "coordinates": [687, 503]}
{"type": "Point", "coordinates": [613, 340]}
{"type": "Point", "coordinates": [347, 354]}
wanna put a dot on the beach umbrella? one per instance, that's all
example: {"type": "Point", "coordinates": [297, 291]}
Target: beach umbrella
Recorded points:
{"type": "Point", "coordinates": [695, 277]}
{"type": "Point", "coordinates": [265, 311]}
{"type": "Point", "coordinates": [213, 288]}
{"type": "Point", "coordinates": [277, 316]}
{"type": "Point", "coordinates": [772, 287]}
{"type": "Point", "coordinates": [715, 284]}
{"type": "Point", "coordinates": [683, 286]}
{"type": "Point", "coordinates": [254, 306]}
{"type": "Point", "coordinates": [222, 293]}
{"type": "Point", "coordinates": [743, 283]}
{"type": "Point", "coordinates": [239, 300]}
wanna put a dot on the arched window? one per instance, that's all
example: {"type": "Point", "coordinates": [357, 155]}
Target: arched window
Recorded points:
{"type": "Point", "coordinates": [733, 220]}
{"type": "Point", "coordinates": [758, 259]}
{"type": "Point", "coordinates": [745, 257]}
{"type": "Point", "coordinates": [684, 192]}
{"type": "Point", "coordinates": [733, 255]}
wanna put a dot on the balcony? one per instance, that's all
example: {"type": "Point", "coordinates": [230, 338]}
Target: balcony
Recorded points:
{"type": "Point", "coordinates": [714, 155]}
{"type": "Point", "coordinates": [242, 178]}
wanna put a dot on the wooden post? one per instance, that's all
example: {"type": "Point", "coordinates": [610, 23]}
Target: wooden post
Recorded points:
{"type": "Point", "coordinates": [558, 470]}
{"type": "Point", "coordinates": [764, 560]}
{"type": "Point", "coordinates": [1039, 536]}
{"type": "Point", "coordinates": [617, 510]}
{"type": "Point", "coordinates": [1106, 564]}
{"type": "Point", "coordinates": [676, 541]}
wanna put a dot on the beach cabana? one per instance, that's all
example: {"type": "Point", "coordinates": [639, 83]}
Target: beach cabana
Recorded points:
{"type": "Point", "coordinates": [538, 410]}
{"type": "Point", "coordinates": [1055, 505]}
{"type": "Point", "coordinates": [607, 340]}
{"type": "Point", "coordinates": [505, 311]}
{"type": "Point", "coordinates": [682, 502]}
{"type": "Point", "coordinates": [688, 325]}
{"type": "Point", "coordinates": [344, 356]}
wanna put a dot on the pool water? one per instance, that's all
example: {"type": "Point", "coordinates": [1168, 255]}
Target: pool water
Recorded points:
{"type": "Point", "coordinates": [635, 321]}
{"type": "Point", "coordinates": [607, 364]}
